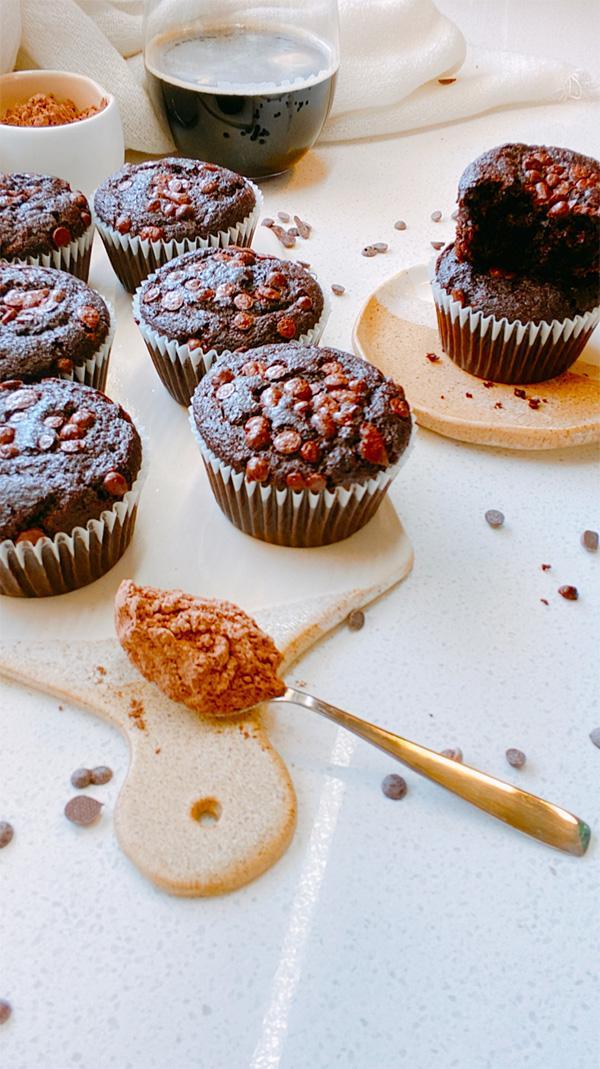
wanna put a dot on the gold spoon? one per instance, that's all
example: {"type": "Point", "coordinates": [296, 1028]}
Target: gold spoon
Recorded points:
{"type": "Point", "coordinates": [530, 814]}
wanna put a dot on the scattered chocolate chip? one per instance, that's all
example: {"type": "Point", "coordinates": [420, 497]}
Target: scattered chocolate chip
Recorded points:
{"type": "Point", "coordinates": [381, 246]}
{"type": "Point", "coordinates": [518, 392]}
{"type": "Point", "coordinates": [337, 289]}
{"type": "Point", "coordinates": [432, 357]}
{"type": "Point", "coordinates": [283, 216]}
{"type": "Point", "coordinates": [61, 236]}
{"type": "Point", "coordinates": [268, 222]}
{"type": "Point", "coordinates": [595, 737]}
{"type": "Point", "coordinates": [494, 517]}
{"type": "Point", "coordinates": [446, 81]}
{"type": "Point", "coordinates": [488, 384]}
{"type": "Point", "coordinates": [115, 484]}
{"type": "Point", "coordinates": [400, 225]}
{"type": "Point", "coordinates": [544, 601]}
{"type": "Point", "coordinates": [570, 593]}
{"type": "Point", "coordinates": [304, 229]}
{"type": "Point", "coordinates": [5, 1010]}
{"type": "Point", "coordinates": [546, 567]}
{"type": "Point", "coordinates": [589, 541]}
{"type": "Point", "coordinates": [293, 231]}
{"type": "Point", "coordinates": [356, 620]}
{"type": "Point", "coordinates": [515, 758]}
{"type": "Point", "coordinates": [6, 833]}
{"type": "Point", "coordinates": [369, 250]}
{"type": "Point", "coordinates": [82, 810]}
{"type": "Point", "coordinates": [436, 216]}
{"type": "Point", "coordinates": [394, 786]}
{"type": "Point", "coordinates": [287, 240]}
{"type": "Point", "coordinates": [437, 245]}
{"type": "Point", "coordinates": [534, 402]}
{"type": "Point", "coordinates": [470, 395]}
{"type": "Point", "coordinates": [100, 775]}
{"type": "Point", "coordinates": [81, 778]}
{"type": "Point", "coordinates": [454, 753]}
{"type": "Point", "coordinates": [498, 404]}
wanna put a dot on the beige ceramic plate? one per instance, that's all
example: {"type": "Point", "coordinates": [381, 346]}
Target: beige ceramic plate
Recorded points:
{"type": "Point", "coordinates": [396, 329]}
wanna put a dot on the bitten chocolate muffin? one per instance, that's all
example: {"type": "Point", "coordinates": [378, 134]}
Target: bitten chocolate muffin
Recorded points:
{"type": "Point", "coordinates": [170, 200]}
{"type": "Point", "coordinates": [214, 300]}
{"type": "Point", "coordinates": [531, 208]}
{"type": "Point", "coordinates": [512, 296]}
{"type": "Point", "coordinates": [302, 420]}
{"type": "Point", "coordinates": [41, 215]}
{"type": "Point", "coordinates": [67, 455]}
{"type": "Point", "coordinates": [51, 323]}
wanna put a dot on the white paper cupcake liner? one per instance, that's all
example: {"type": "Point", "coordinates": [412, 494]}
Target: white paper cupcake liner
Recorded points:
{"type": "Point", "coordinates": [67, 562]}
{"type": "Point", "coordinates": [94, 370]}
{"type": "Point", "coordinates": [181, 368]}
{"type": "Point", "coordinates": [301, 518]}
{"type": "Point", "coordinates": [133, 258]}
{"type": "Point", "coordinates": [511, 352]}
{"type": "Point", "coordinates": [73, 258]}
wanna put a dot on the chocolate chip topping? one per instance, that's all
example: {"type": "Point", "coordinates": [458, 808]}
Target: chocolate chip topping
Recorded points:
{"type": "Point", "coordinates": [230, 299]}
{"type": "Point", "coordinates": [39, 214]}
{"type": "Point", "coordinates": [67, 439]}
{"type": "Point", "coordinates": [531, 208]}
{"type": "Point", "coordinates": [511, 296]}
{"type": "Point", "coordinates": [302, 417]}
{"type": "Point", "coordinates": [83, 810]}
{"type": "Point", "coordinates": [173, 199]}
{"type": "Point", "coordinates": [47, 316]}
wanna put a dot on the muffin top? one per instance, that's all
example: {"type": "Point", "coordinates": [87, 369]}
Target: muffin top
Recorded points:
{"type": "Point", "coordinates": [168, 199]}
{"type": "Point", "coordinates": [49, 321]}
{"type": "Point", "coordinates": [39, 214]}
{"type": "Point", "coordinates": [67, 453]}
{"type": "Point", "coordinates": [503, 294]}
{"type": "Point", "coordinates": [531, 207]}
{"type": "Point", "coordinates": [302, 417]}
{"type": "Point", "coordinates": [230, 299]}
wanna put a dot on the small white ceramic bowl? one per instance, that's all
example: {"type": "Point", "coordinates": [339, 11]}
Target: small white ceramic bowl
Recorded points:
{"type": "Point", "coordinates": [84, 152]}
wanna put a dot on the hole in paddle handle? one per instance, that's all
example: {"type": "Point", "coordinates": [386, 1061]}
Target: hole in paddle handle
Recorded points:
{"type": "Point", "coordinates": [206, 811]}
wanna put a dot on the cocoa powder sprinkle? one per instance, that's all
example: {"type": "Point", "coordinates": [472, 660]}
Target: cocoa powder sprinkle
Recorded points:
{"type": "Point", "coordinates": [44, 109]}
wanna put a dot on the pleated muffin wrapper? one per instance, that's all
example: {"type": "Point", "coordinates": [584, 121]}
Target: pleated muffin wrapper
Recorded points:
{"type": "Point", "coordinates": [180, 368]}
{"type": "Point", "coordinates": [512, 352]}
{"type": "Point", "coordinates": [94, 370]}
{"type": "Point", "coordinates": [134, 258]}
{"type": "Point", "coordinates": [73, 258]}
{"type": "Point", "coordinates": [69, 561]}
{"type": "Point", "coordinates": [299, 518]}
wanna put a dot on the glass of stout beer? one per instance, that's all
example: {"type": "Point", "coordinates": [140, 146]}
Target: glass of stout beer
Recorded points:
{"type": "Point", "coordinates": [244, 84]}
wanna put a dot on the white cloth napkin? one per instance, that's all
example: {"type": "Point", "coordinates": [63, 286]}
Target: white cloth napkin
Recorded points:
{"type": "Point", "coordinates": [393, 53]}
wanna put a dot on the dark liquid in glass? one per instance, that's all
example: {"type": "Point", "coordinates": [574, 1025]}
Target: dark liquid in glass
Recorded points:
{"type": "Point", "coordinates": [253, 102]}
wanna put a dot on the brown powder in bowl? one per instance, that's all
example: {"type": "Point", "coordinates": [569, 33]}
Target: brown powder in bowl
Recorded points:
{"type": "Point", "coordinates": [45, 110]}
{"type": "Point", "coordinates": [205, 653]}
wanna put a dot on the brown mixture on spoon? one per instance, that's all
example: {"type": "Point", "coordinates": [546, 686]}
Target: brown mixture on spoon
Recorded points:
{"type": "Point", "coordinates": [203, 652]}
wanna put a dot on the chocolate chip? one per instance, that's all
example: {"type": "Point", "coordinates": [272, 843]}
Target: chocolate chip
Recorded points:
{"type": "Point", "coordinates": [123, 223]}
{"type": "Point", "coordinates": [172, 300]}
{"type": "Point", "coordinates": [381, 246]}
{"type": "Point", "coordinates": [286, 327]}
{"type": "Point", "coordinates": [82, 810]}
{"type": "Point", "coordinates": [83, 418]}
{"type": "Point", "coordinates": [453, 753]}
{"type": "Point", "coordinates": [257, 469]}
{"type": "Point", "coordinates": [394, 786]}
{"type": "Point", "coordinates": [283, 216]}
{"type": "Point", "coordinates": [446, 81]}
{"type": "Point", "coordinates": [437, 245]}
{"type": "Point", "coordinates": [494, 517]}
{"type": "Point", "coordinates": [287, 240]}
{"type": "Point", "coordinates": [400, 225]}
{"type": "Point", "coordinates": [595, 737]}
{"type": "Point", "coordinates": [268, 222]}
{"type": "Point", "coordinates": [5, 1010]}
{"type": "Point", "coordinates": [570, 593]}
{"type": "Point", "coordinates": [7, 435]}
{"type": "Point", "coordinates": [436, 216]}
{"type": "Point", "coordinates": [72, 446]}
{"type": "Point", "coordinates": [46, 441]}
{"type": "Point", "coordinates": [337, 289]}
{"type": "Point", "coordinates": [61, 236]}
{"type": "Point", "coordinates": [432, 357]}
{"type": "Point", "coordinates": [81, 778]}
{"type": "Point", "coordinates": [356, 620]}
{"type": "Point", "coordinates": [304, 229]}
{"type": "Point", "coordinates": [257, 431]}
{"type": "Point", "coordinates": [64, 365]}
{"type": "Point", "coordinates": [287, 442]}
{"type": "Point", "coordinates": [293, 231]}
{"type": "Point", "coordinates": [589, 541]}
{"type": "Point", "coordinates": [369, 250]}
{"type": "Point", "coordinates": [100, 775]}
{"type": "Point", "coordinates": [70, 432]}
{"type": "Point", "coordinates": [515, 758]}
{"type": "Point", "coordinates": [546, 567]}
{"type": "Point", "coordinates": [6, 833]}
{"type": "Point", "coordinates": [115, 484]}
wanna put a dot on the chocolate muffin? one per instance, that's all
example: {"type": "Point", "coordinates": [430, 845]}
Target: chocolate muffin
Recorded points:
{"type": "Point", "coordinates": [43, 221]}
{"type": "Point", "coordinates": [148, 213]}
{"type": "Point", "coordinates": [213, 300]}
{"type": "Point", "coordinates": [533, 209]}
{"type": "Point", "coordinates": [510, 327]}
{"type": "Point", "coordinates": [315, 434]}
{"type": "Point", "coordinates": [51, 324]}
{"type": "Point", "coordinates": [68, 456]}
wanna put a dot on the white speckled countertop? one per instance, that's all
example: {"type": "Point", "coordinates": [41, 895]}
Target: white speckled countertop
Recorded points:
{"type": "Point", "coordinates": [418, 934]}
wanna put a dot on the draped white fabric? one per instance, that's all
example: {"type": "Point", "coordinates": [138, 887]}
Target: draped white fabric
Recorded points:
{"type": "Point", "coordinates": [393, 53]}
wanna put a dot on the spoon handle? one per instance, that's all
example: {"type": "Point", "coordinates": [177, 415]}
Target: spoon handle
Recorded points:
{"type": "Point", "coordinates": [530, 814]}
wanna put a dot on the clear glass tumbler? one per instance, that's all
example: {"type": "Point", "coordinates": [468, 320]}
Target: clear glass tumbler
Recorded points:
{"type": "Point", "coordinates": [244, 84]}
